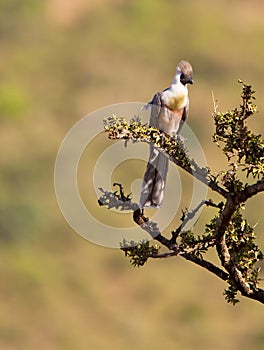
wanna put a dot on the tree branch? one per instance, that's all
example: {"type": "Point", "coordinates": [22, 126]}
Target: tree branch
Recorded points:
{"type": "Point", "coordinates": [228, 231]}
{"type": "Point", "coordinates": [169, 146]}
{"type": "Point", "coordinates": [250, 191]}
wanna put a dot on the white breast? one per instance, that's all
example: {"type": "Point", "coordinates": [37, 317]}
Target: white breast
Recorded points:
{"type": "Point", "coordinates": [176, 97]}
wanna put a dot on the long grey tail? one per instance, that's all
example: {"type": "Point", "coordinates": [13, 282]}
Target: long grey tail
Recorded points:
{"type": "Point", "coordinates": [154, 181]}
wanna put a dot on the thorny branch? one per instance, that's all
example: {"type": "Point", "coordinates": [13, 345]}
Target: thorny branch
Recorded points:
{"type": "Point", "coordinates": [228, 231]}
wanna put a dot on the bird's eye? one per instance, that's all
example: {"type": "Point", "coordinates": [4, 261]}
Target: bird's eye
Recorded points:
{"type": "Point", "coordinates": [182, 76]}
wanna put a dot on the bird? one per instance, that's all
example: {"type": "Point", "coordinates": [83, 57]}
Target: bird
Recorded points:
{"type": "Point", "coordinates": [169, 111]}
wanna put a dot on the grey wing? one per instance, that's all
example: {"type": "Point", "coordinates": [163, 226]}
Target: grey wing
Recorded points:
{"type": "Point", "coordinates": [184, 116]}
{"type": "Point", "coordinates": [156, 106]}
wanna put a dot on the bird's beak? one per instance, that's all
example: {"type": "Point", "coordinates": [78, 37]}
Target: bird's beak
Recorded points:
{"type": "Point", "coordinates": [190, 81]}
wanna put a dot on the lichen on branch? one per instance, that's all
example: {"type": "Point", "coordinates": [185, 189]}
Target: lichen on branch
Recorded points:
{"type": "Point", "coordinates": [228, 232]}
{"type": "Point", "coordinates": [237, 141]}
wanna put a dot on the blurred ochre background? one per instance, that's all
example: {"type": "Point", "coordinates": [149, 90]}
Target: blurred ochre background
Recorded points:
{"type": "Point", "coordinates": [61, 60]}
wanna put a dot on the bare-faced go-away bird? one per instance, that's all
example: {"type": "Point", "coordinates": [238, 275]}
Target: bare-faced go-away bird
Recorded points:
{"type": "Point", "coordinates": [169, 111]}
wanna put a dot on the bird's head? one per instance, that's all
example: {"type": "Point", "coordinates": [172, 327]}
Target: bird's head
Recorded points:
{"type": "Point", "coordinates": [184, 73]}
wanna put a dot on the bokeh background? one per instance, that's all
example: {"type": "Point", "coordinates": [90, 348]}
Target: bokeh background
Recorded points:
{"type": "Point", "coordinates": [61, 60]}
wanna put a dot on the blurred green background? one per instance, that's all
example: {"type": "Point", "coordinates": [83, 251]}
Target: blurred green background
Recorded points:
{"type": "Point", "coordinates": [61, 60]}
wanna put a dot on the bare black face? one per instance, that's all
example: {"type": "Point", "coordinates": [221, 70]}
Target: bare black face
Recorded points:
{"type": "Point", "coordinates": [186, 79]}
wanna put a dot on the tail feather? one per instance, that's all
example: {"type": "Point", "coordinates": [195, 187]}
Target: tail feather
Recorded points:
{"type": "Point", "coordinates": [153, 186]}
